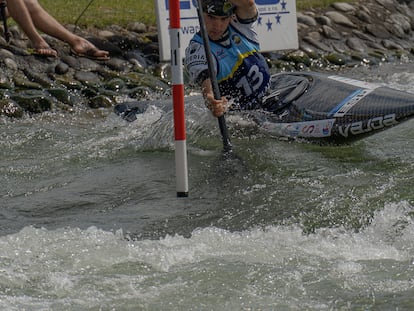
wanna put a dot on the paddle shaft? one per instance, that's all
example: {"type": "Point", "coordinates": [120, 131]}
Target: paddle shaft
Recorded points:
{"type": "Point", "coordinates": [212, 73]}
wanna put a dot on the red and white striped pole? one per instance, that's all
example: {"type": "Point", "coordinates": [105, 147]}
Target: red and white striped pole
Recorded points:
{"type": "Point", "coordinates": [178, 100]}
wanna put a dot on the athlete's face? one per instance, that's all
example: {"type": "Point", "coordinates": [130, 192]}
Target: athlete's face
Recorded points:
{"type": "Point", "coordinates": [216, 25]}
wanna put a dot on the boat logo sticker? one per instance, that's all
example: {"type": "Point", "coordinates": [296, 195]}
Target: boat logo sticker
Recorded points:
{"type": "Point", "coordinates": [350, 101]}
{"type": "Point", "coordinates": [316, 129]}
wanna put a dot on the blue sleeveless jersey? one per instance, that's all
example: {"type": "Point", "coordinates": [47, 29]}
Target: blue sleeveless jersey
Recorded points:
{"type": "Point", "coordinates": [242, 72]}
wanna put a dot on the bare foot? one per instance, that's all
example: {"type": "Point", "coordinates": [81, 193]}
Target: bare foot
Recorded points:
{"type": "Point", "coordinates": [87, 49]}
{"type": "Point", "coordinates": [44, 51]}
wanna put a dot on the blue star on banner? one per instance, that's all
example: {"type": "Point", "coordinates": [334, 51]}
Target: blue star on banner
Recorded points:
{"type": "Point", "coordinates": [274, 13]}
{"type": "Point", "coordinates": [278, 17]}
{"type": "Point", "coordinates": [269, 25]}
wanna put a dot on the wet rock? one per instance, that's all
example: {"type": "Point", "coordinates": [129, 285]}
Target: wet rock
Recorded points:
{"type": "Point", "coordinates": [137, 27]}
{"type": "Point", "coordinates": [310, 50]}
{"type": "Point", "coordinates": [336, 59]}
{"type": "Point", "coordinates": [324, 20]}
{"type": "Point", "coordinates": [340, 19]}
{"type": "Point", "coordinates": [298, 57]}
{"type": "Point", "coordinates": [6, 54]}
{"type": "Point", "coordinates": [401, 20]}
{"type": "Point", "coordinates": [22, 82]}
{"type": "Point", "coordinates": [11, 64]}
{"type": "Point", "coordinates": [378, 54]}
{"type": "Point", "coordinates": [318, 44]}
{"type": "Point", "coordinates": [375, 46]}
{"type": "Point", "coordinates": [71, 61]}
{"type": "Point", "coordinates": [340, 47]}
{"type": "Point", "coordinates": [363, 16]}
{"type": "Point", "coordinates": [306, 20]}
{"type": "Point", "coordinates": [356, 44]}
{"type": "Point", "coordinates": [32, 101]}
{"type": "Point", "coordinates": [118, 64]}
{"type": "Point", "coordinates": [87, 77]}
{"type": "Point", "coordinates": [385, 3]}
{"type": "Point", "coordinates": [115, 84]}
{"type": "Point", "coordinates": [10, 109]}
{"type": "Point", "coordinates": [61, 68]}
{"type": "Point", "coordinates": [89, 92]}
{"type": "Point", "coordinates": [68, 82]}
{"type": "Point", "coordinates": [100, 101]}
{"type": "Point", "coordinates": [106, 34]}
{"type": "Point", "coordinates": [141, 92]}
{"type": "Point", "coordinates": [61, 95]}
{"type": "Point", "coordinates": [137, 58]}
{"type": "Point", "coordinates": [163, 71]}
{"type": "Point", "coordinates": [343, 7]}
{"type": "Point", "coordinates": [331, 33]}
{"type": "Point", "coordinates": [86, 64]}
{"type": "Point", "coordinates": [5, 82]}
{"type": "Point", "coordinates": [395, 30]}
{"type": "Point", "coordinates": [391, 45]}
{"type": "Point", "coordinates": [378, 31]}
{"type": "Point", "coordinates": [363, 36]}
{"type": "Point", "coordinates": [38, 78]}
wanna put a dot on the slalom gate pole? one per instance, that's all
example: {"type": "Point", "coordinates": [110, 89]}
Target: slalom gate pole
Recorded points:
{"type": "Point", "coordinates": [178, 100]}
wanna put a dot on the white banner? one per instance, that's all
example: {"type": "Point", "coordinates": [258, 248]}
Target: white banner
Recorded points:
{"type": "Point", "coordinates": [276, 25]}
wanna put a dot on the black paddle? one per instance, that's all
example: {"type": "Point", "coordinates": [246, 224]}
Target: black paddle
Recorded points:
{"type": "Point", "coordinates": [216, 91]}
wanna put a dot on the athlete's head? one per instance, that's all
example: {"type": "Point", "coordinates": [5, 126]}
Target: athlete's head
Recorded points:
{"type": "Point", "coordinates": [218, 14]}
{"type": "Point", "coordinates": [218, 7]}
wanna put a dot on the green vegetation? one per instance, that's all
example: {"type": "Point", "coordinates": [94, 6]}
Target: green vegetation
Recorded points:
{"type": "Point", "coordinates": [102, 13]}
{"type": "Point", "coordinates": [306, 4]}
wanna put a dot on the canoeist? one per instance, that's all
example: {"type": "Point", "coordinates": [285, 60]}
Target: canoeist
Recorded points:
{"type": "Point", "coordinates": [242, 72]}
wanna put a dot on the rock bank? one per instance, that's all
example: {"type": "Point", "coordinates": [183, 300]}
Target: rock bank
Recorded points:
{"type": "Point", "coordinates": [362, 33]}
{"type": "Point", "coordinates": [349, 34]}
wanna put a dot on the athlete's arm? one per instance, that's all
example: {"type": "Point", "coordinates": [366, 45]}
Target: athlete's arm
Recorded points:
{"type": "Point", "coordinates": [245, 9]}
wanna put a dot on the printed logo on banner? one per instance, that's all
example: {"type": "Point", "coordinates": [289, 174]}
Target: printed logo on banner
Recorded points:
{"type": "Point", "coordinates": [270, 14]}
{"type": "Point", "coordinates": [276, 24]}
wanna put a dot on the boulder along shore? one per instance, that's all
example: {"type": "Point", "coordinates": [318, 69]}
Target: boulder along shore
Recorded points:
{"type": "Point", "coordinates": [363, 33]}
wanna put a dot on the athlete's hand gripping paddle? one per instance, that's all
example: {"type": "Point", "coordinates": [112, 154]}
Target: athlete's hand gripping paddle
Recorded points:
{"type": "Point", "coordinates": [216, 91]}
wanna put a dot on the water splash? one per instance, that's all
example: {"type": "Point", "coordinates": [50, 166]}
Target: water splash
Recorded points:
{"type": "Point", "coordinates": [71, 268]}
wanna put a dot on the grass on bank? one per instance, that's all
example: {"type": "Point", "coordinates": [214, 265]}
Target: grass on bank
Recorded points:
{"type": "Point", "coordinates": [101, 13]}
{"type": "Point", "coordinates": [307, 4]}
